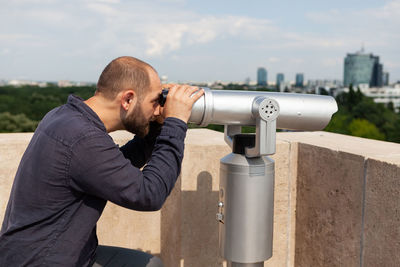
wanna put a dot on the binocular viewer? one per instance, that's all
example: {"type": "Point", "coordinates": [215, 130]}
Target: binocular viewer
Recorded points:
{"type": "Point", "coordinates": [246, 195]}
{"type": "Point", "coordinates": [267, 111]}
{"type": "Point", "coordinates": [303, 112]}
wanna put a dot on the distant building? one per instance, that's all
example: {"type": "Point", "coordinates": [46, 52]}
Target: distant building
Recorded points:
{"type": "Point", "coordinates": [324, 83]}
{"type": "Point", "coordinates": [377, 74]}
{"type": "Point", "coordinates": [280, 78]}
{"type": "Point", "coordinates": [64, 83]}
{"type": "Point", "coordinates": [285, 87]}
{"type": "Point", "coordinates": [361, 68]}
{"type": "Point", "coordinates": [164, 79]}
{"type": "Point", "coordinates": [299, 80]}
{"type": "Point", "coordinates": [384, 95]}
{"type": "Point", "coordinates": [385, 79]}
{"type": "Point", "coordinates": [329, 86]}
{"type": "Point", "coordinates": [18, 83]}
{"type": "Point", "coordinates": [261, 76]}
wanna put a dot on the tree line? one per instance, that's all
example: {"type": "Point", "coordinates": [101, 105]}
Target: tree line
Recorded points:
{"type": "Point", "coordinates": [359, 115]}
{"type": "Point", "coordinates": [22, 108]}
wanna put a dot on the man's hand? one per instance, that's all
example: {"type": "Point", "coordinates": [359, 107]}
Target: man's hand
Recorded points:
{"type": "Point", "coordinates": [180, 100]}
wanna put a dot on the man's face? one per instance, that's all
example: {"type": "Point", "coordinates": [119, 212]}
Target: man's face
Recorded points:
{"type": "Point", "coordinates": [137, 121]}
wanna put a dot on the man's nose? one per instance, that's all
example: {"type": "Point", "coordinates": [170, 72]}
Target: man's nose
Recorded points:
{"type": "Point", "coordinates": [157, 111]}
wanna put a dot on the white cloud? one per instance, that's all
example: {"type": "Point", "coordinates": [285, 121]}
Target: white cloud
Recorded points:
{"type": "Point", "coordinates": [100, 29]}
{"type": "Point", "coordinates": [5, 51]}
{"type": "Point", "coordinates": [311, 41]}
{"type": "Point", "coordinates": [165, 38]}
{"type": "Point", "coordinates": [159, 31]}
{"type": "Point", "coordinates": [172, 36]}
{"type": "Point", "coordinates": [378, 28]}
{"type": "Point", "coordinates": [24, 2]}
{"type": "Point", "coordinates": [103, 9]}
{"type": "Point", "coordinates": [273, 59]}
{"type": "Point", "coordinates": [389, 11]}
{"type": "Point", "coordinates": [367, 20]}
{"type": "Point", "coordinates": [392, 64]}
{"type": "Point", "coordinates": [47, 15]}
{"type": "Point", "coordinates": [109, 1]}
{"type": "Point", "coordinates": [296, 61]}
{"type": "Point", "coordinates": [332, 62]}
{"type": "Point", "coordinates": [172, 1]}
{"type": "Point", "coordinates": [13, 37]}
{"type": "Point", "coordinates": [330, 16]}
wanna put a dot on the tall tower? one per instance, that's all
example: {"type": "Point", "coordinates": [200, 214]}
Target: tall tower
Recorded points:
{"type": "Point", "coordinates": [362, 68]}
{"type": "Point", "coordinates": [261, 76]}
{"type": "Point", "coordinates": [280, 77]}
{"type": "Point", "coordinates": [377, 73]}
{"type": "Point", "coordinates": [385, 78]}
{"type": "Point", "coordinates": [299, 80]}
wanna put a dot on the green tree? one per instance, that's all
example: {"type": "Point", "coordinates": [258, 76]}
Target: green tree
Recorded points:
{"type": "Point", "coordinates": [355, 105]}
{"type": "Point", "coordinates": [390, 106]}
{"type": "Point", "coordinates": [339, 123]}
{"type": "Point", "coordinates": [323, 91]}
{"type": "Point", "coordinates": [16, 123]}
{"type": "Point", "coordinates": [35, 102]}
{"type": "Point", "coordinates": [364, 128]}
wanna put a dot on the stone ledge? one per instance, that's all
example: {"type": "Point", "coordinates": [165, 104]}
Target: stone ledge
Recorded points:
{"type": "Point", "coordinates": [374, 149]}
{"type": "Point", "coordinates": [336, 194]}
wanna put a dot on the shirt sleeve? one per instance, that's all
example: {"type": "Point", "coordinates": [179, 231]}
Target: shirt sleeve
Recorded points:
{"type": "Point", "coordinates": [99, 168]}
{"type": "Point", "coordinates": [139, 150]}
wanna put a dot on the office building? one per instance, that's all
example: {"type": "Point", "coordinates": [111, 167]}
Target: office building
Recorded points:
{"type": "Point", "coordinates": [262, 76]}
{"type": "Point", "coordinates": [385, 79]}
{"type": "Point", "coordinates": [279, 79]}
{"type": "Point", "coordinates": [362, 68]}
{"type": "Point", "coordinates": [299, 80]}
{"type": "Point", "coordinates": [377, 74]}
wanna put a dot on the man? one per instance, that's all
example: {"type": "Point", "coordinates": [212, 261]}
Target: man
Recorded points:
{"type": "Point", "coordinates": [72, 167]}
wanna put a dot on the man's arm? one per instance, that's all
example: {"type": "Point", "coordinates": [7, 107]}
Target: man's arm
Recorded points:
{"type": "Point", "coordinates": [99, 168]}
{"type": "Point", "coordinates": [138, 150]}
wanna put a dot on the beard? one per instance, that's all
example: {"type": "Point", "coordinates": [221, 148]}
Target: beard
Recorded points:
{"type": "Point", "coordinates": [136, 122]}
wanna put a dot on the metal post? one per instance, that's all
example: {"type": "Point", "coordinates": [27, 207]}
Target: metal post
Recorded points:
{"type": "Point", "coordinates": [235, 264]}
{"type": "Point", "coordinates": [246, 206]}
{"type": "Point", "coordinates": [246, 196]}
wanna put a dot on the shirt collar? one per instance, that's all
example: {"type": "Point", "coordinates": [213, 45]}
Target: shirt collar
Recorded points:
{"type": "Point", "coordinates": [77, 103]}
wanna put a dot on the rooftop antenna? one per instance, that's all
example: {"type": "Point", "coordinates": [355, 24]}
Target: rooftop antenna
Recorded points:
{"type": "Point", "coordinates": [362, 48]}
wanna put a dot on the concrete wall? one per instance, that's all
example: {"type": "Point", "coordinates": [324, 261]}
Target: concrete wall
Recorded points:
{"type": "Point", "coordinates": [336, 202]}
{"type": "Point", "coordinates": [348, 201]}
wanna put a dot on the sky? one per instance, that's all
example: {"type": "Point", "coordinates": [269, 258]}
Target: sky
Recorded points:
{"type": "Point", "coordinates": [188, 40]}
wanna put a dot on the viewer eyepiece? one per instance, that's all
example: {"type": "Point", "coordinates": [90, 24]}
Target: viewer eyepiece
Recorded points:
{"type": "Point", "coordinates": [163, 97]}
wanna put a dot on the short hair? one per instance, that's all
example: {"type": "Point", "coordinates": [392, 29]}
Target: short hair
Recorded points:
{"type": "Point", "coordinates": [124, 73]}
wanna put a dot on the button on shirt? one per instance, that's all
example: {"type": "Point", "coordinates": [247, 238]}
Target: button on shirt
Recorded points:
{"type": "Point", "coordinates": [66, 175]}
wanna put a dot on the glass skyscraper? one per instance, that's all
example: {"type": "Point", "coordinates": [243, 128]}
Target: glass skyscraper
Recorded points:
{"type": "Point", "coordinates": [279, 79]}
{"type": "Point", "coordinates": [362, 68]}
{"type": "Point", "coordinates": [385, 78]}
{"type": "Point", "coordinates": [299, 80]}
{"type": "Point", "coordinates": [261, 76]}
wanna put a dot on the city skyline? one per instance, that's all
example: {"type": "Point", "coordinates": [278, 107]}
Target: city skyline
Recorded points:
{"type": "Point", "coordinates": [195, 41]}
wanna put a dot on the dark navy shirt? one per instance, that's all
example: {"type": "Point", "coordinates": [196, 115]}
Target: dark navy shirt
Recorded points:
{"type": "Point", "coordinates": [66, 175]}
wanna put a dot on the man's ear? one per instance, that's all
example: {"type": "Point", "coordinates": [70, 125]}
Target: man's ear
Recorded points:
{"type": "Point", "coordinates": [129, 97]}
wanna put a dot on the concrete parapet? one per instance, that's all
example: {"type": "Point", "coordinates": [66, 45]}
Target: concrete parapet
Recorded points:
{"type": "Point", "coordinates": [347, 206]}
{"type": "Point", "coordinates": [336, 202]}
